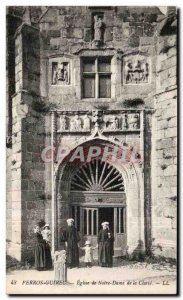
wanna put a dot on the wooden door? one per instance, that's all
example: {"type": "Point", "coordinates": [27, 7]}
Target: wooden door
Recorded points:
{"type": "Point", "coordinates": [120, 231]}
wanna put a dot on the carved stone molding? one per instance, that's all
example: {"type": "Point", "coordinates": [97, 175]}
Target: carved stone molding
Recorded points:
{"type": "Point", "coordinates": [98, 120]}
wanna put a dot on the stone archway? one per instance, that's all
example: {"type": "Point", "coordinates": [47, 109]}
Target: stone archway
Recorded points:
{"type": "Point", "coordinates": [132, 174]}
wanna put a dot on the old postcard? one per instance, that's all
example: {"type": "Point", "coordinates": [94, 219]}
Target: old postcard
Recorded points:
{"type": "Point", "coordinates": [91, 150]}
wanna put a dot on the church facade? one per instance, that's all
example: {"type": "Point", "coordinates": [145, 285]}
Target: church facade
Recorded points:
{"type": "Point", "coordinates": [92, 125]}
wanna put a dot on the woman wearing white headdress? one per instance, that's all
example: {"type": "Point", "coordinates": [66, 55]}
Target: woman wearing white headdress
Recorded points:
{"type": "Point", "coordinates": [71, 238]}
{"type": "Point", "coordinates": [105, 246]}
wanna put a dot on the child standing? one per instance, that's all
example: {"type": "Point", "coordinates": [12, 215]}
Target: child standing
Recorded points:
{"type": "Point", "coordinates": [88, 259]}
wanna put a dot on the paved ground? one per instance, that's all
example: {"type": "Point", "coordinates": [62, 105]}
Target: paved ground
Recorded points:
{"type": "Point", "coordinates": [123, 278]}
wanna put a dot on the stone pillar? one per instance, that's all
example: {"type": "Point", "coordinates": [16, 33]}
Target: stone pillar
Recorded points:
{"type": "Point", "coordinates": [27, 189]}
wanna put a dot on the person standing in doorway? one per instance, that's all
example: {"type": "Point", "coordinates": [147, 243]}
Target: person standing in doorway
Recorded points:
{"type": "Point", "coordinates": [105, 246]}
{"type": "Point", "coordinates": [71, 238]}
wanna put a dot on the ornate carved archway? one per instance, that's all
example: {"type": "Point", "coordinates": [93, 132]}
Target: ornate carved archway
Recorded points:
{"type": "Point", "coordinates": [132, 182]}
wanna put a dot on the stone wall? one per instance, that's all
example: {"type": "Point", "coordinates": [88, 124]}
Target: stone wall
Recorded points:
{"type": "Point", "coordinates": [164, 157]}
{"type": "Point", "coordinates": [28, 140]}
{"type": "Point", "coordinates": [65, 35]}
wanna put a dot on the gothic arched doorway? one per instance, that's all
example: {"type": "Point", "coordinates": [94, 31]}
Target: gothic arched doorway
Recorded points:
{"type": "Point", "coordinates": [97, 194]}
{"type": "Point", "coordinates": [97, 191]}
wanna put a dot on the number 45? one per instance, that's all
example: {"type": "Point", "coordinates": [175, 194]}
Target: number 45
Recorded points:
{"type": "Point", "coordinates": [14, 282]}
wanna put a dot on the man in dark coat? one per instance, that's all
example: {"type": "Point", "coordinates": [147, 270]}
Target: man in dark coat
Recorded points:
{"type": "Point", "coordinates": [71, 238]}
{"type": "Point", "coordinates": [105, 246]}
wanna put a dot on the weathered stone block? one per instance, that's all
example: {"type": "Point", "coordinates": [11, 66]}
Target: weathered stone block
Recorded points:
{"type": "Point", "coordinates": [146, 40]}
{"type": "Point", "coordinates": [55, 43]}
{"type": "Point", "coordinates": [172, 72]}
{"type": "Point", "coordinates": [168, 95]}
{"type": "Point", "coordinates": [160, 134]}
{"type": "Point", "coordinates": [170, 62]}
{"type": "Point", "coordinates": [31, 205]}
{"type": "Point", "coordinates": [170, 112]}
{"type": "Point", "coordinates": [50, 16]}
{"type": "Point", "coordinates": [163, 124]}
{"type": "Point", "coordinates": [16, 185]}
{"type": "Point", "coordinates": [171, 132]}
{"type": "Point", "coordinates": [169, 152]}
{"type": "Point", "coordinates": [159, 153]}
{"type": "Point", "coordinates": [168, 82]}
{"type": "Point", "coordinates": [16, 174]}
{"type": "Point", "coordinates": [170, 170]}
{"type": "Point", "coordinates": [165, 143]}
{"type": "Point", "coordinates": [24, 185]}
{"type": "Point", "coordinates": [54, 33]}
{"type": "Point", "coordinates": [87, 35]}
{"type": "Point", "coordinates": [172, 52]}
{"type": "Point", "coordinates": [108, 36]}
{"type": "Point", "coordinates": [78, 33]}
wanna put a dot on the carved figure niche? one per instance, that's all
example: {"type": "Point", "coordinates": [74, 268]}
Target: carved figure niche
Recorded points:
{"type": "Point", "coordinates": [60, 73]}
{"type": "Point", "coordinates": [98, 28]}
{"type": "Point", "coordinates": [136, 69]}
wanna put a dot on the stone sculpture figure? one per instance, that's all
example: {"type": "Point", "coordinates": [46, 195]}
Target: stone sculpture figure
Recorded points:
{"type": "Point", "coordinates": [133, 121]}
{"type": "Point", "coordinates": [60, 74]}
{"type": "Point", "coordinates": [98, 29]}
{"type": "Point", "coordinates": [136, 71]}
{"type": "Point", "coordinates": [62, 123]}
{"type": "Point", "coordinates": [114, 124]}
{"type": "Point", "coordinates": [86, 123]}
{"type": "Point", "coordinates": [129, 72]}
{"type": "Point", "coordinates": [125, 121]}
{"type": "Point", "coordinates": [60, 267]}
{"type": "Point", "coordinates": [146, 72]}
{"type": "Point", "coordinates": [137, 121]}
{"type": "Point", "coordinates": [75, 124]}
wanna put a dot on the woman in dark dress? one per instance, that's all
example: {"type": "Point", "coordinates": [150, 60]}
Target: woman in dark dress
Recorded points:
{"type": "Point", "coordinates": [71, 238]}
{"type": "Point", "coordinates": [42, 252]}
{"type": "Point", "coordinates": [105, 246]}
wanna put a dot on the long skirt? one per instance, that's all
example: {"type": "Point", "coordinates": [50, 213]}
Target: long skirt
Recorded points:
{"type": "Point", "coordinates": [40, 256]}
{"type": "Point", "coordinates": [48, 257]}
{"type": "Point", "coordinates": [72, 255]}
{"type": "Point", "coordinates": [105, 254]}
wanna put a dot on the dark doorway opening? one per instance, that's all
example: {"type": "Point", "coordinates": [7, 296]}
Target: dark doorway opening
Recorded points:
{"type": "Point", "coordinates": [106, 214]}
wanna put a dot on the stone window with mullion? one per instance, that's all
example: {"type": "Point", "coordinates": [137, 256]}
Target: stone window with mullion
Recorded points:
{"type": "Point", "coordinates": [96, 77]}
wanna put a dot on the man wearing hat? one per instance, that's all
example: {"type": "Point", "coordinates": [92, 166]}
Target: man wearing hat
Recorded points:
{"type": "Point", "coordinates": [105, 246]}
{"type": "Point", "coordinates": [71, 238]}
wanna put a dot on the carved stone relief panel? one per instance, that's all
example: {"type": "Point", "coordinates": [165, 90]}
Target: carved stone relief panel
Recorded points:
{"type": "Point", "coordinates": [60, 73]}
{"type": "Point", "coordinates": [123, 121]}
{"type": "Point", "coordinates": [74, 123]}
{"type": "Point", "coordinates": [136, 69]}
{"type": "Point", "coordinates": [114, 121]}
